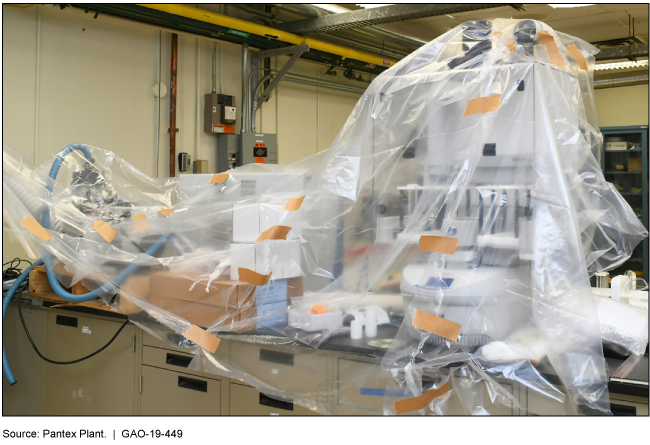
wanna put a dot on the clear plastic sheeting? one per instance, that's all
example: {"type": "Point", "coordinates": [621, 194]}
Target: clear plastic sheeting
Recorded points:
{"type": "Point", "coordinates": [435, 260]}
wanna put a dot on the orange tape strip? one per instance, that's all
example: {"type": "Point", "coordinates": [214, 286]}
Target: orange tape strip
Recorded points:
{"type": "Point", "coordinates": [482, 105]}
{"type": "Point", "coordinates": [202, 338]}
{"type": "Point", "coordinates": [106, 231]}
{"type": "Point", "coordinates": [294, 204]}
{"type": "Point", "coordinates": [420, 402]}
{"type": "Point", "coordinates": [436, 325]}
{"type": "Point", "coordinates": [139, 216]}
{"type": "Point", "coordinates": [511, 46]}
{"type": "Point", "coordinates": [253, 277]}
{"type": "Point", "coordinates": [275, 232]}
{"type": "Point", "coordinates": [33, 226]}
{"type": "Point", "coordinates": [438, 244]}
{"type": "Point", "coordinates": [575, 52]}
{"type": "Point", "coordinates": [551, 47]}
{"type": "Point", "coordinates": [166, 212]}
{"type": "Point", "coordinates": [219, 178]}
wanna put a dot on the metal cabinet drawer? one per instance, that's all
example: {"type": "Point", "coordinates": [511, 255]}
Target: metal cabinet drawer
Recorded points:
{"type": "Point", "coordinates": [101, 385]}
{"type": "Point", "coordinates": [363, 388]}
{"type": "Point", "coordinates": [171, 360]}
{"type": "Point", "coordinates": [247, 401]}
{"type": "Point", "coordinates": [150, 340]}
{"type": "Point", "coordinates": [169, 393]}
{"type": "Point", "coordinates": [303, 372]}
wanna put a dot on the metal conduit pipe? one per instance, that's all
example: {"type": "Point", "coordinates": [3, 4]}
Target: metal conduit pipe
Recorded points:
{"type": "Point", "coordinates": [621, 82]}
{"type": "Point", "coordinates": [297, 78]}
{"type": "Point", "coordinates": [256, 106]}
{"type": "Point", "coordinates": [214, 69]}
{"type": "Point", "coordinates": [244, 87]}
{"type": "Point", "coordinates": [172, 107]}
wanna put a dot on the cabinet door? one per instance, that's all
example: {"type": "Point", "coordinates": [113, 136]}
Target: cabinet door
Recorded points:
{"type": "Point", "coordinates": [101, 385]}
{"type": "Point", "coordinates": [23, 398]}
{"type": "Point", "coordinates": [247, 401]}
{"type": "Point", "coordinates": [170, 393]}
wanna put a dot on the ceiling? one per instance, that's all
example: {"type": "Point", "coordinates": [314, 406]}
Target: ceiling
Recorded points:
{"type": "Point", "coordinates": [591, 23]}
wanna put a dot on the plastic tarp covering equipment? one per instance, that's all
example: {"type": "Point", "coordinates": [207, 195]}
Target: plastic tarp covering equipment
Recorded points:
{"type": "Point", "coordinates": [435, 260]}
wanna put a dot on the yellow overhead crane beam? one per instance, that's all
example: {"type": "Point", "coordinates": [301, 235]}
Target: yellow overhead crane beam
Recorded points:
{"type": "Point", "coordinates": [202, 15]}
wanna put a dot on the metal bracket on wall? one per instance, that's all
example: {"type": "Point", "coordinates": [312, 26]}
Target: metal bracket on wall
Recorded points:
{"type": "Point", "coordinates": [295, 52]}
{"type": "Point", "coordinates": [253, 100]}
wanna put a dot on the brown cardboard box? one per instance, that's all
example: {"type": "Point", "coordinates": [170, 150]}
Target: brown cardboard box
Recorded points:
{"type": "Point", "coordinates": [634, 165]}
{"type": "Point", "coordinates": [231, 299]}
{"type": "Point", "coordinates": [136, 287]}
{"type": "Point", "coordinates": [224, 293]}
{"type": "Point", "coordinates": [197, 313]}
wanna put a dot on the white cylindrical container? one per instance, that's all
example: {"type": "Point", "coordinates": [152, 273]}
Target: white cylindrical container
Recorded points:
{"type": "Point", "coordinates": [356, 329]}
{"type": "Point", "coordinates": [371, 323]}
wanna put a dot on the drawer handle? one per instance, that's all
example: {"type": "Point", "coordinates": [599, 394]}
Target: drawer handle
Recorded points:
{"type": "Point", "coordinates": [62, 320]}
{"type": "Point", "coordinates": [274, 403]}
{"type": "Point", "coordinates": [283, 358]}
{"type": "Point", "coordinates": [178, 360]}
{"type": "Point", "coordinates": [193, 384]}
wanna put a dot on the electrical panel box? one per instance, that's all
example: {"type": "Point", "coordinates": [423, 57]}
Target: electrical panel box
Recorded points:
{"type": "Point", "coordinates": [246, 148]}
{"type": "Point", "coordinates": [258, 148]}
{"type": "Point", "coordinates": [220, 114]}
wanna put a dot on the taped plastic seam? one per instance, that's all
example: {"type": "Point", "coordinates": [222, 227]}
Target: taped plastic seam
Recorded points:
{"type": "Point", "coordinates": [575, 52]}
{"type": "Point", "coordinates": [139, 216]}
{"type": "Point", "coordinates": [106, 231]}
{"type": "Point", "coordinates": [438, 244]}
{"type": "Point", "coordinates": [420, 402]}
{"type": "Point", "coordinates": [482, 105]}
{"type": "Point", "coordinates": [252, 277]}
{"type": "Point", "coordinates": [553, 51]}
{"type": "Point", "coordinates": [35, 228]}
{"type": "Point", "coordinates": [166, 212]}
{"type": "Point", "coordinates": [202, 338]}
{"type": "Point", "coordinates": [219, 178]}
{"type": "Point", "coordinates": [294, 204]}
{"type": "Point", "coordinates": [275, 232]}
{"type": "Point", "coordinates": [436, 325]}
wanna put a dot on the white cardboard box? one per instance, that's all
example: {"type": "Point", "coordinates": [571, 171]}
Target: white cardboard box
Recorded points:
{"type": "Point", "coordinates": [250, 220]}
{"type": "Point", "coordinates": [282, 258]}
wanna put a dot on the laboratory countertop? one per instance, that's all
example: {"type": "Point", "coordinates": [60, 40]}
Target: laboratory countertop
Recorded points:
{"type": "Point", "coordinates": [627, 376]}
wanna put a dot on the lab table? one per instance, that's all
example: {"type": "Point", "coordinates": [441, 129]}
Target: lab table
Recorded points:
{"type": "Point", "coordinates": [140, 374]}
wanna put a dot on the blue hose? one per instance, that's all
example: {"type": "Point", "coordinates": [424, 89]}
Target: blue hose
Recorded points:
{"type": "Point", "coordinates": [5, 304]}
{"type": "Point", "coordinates": [47, 259]}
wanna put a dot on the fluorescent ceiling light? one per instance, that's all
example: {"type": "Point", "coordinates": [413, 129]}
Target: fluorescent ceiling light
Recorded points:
{"type": "Point", "coordinates": [569, 5]}
{"type": "Point", "coordinates": [621, 65]}
{"type": "Point", "coordinates": [336, 9]}
{"type": "Point", "coordinates": [373, 5]}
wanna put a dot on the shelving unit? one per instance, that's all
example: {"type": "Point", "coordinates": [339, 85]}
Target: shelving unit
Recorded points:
{"type": "Point", "coordinates": [627, 169]}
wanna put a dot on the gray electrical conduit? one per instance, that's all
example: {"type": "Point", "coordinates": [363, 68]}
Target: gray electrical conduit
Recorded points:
{"type": "Point", "coordinates": [255, 106]}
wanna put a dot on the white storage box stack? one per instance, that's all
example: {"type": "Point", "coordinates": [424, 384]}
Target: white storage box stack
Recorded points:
{"type": "Point", "coordinates": [249, 221]}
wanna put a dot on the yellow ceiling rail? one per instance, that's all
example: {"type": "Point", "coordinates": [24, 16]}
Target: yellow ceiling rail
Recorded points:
{"type": "Point", "coordinates": [202, 15]}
